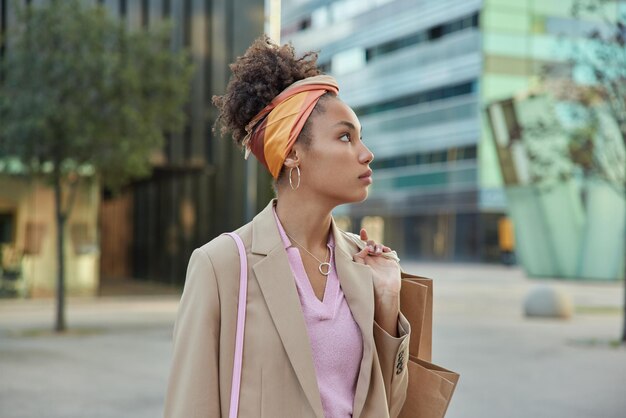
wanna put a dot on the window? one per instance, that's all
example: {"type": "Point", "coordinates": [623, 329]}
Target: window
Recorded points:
{"type": "Point", "coordinates": [348, 61]}
{"type": "Point", "coordinates": [325, 67]}
{"type": "Point", "coordinates": [187, 23]}
{"type": "Point", "coordinates": [145, 14]}
{"type": "Point", "coordinates": [320, 17]}
{"type": "Point", "coordinates": [425, 158]}
{"type": "Point", "coordinates": [417, 98]}
{"type": "Point", "coordinates": [35, 232]}
{"type": "Point", "coordinates": [435, 32]}
{"type": "Point", "coordinates": [430, 34]}
{"type": "Point", "coordinates": [305, 23]}
{"type": "Point", "coordinates": [82, 239]}
{"type": "Point", "coordinates": [7, 228]}
{"type": "Point", "coordinates": [3, 26]}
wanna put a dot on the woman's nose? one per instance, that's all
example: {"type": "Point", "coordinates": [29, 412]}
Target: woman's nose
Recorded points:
{"type": "Point", "coordinates": [366, 155]}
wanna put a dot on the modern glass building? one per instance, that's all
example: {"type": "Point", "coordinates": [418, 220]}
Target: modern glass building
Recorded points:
{"type": "Point", "coordinates": [418, 73]}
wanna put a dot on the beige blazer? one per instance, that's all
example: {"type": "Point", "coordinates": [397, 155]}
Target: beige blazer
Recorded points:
{"type": "Point", "coordinates": [278, 376]}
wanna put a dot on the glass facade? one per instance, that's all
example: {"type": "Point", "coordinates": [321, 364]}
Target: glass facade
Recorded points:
{"type": "Point", "coordinates": [413, 78]}
{"type": "Point", "coordinates": [452, 154]}
{"type": "Point", "coordinates": [427, 35]}
{"type": "Point", "coordinates": [431, 95]}
{"type": "Point", "coordinates": [419, 77]}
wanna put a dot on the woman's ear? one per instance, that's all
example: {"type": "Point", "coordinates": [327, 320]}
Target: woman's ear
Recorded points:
{"type": "Point", "coordinates": [293, 159]}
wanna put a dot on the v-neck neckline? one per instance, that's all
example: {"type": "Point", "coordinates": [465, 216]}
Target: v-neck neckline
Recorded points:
{"type": "Point", "coordinates": [310, 286]}
{"type": "Point", "coordinates": [325, 308]}
{"type": "Point", "coordinates": [322, 309]}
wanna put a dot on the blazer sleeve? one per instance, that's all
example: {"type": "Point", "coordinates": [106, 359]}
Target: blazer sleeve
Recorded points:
{"type": "Point", "coordinates": [193, 389]}
{"type": "Point", "coordinates": [393, 355]}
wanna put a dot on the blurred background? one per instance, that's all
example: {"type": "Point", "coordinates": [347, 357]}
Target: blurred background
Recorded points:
{"type": "Point", "coordinates": [498, 129]}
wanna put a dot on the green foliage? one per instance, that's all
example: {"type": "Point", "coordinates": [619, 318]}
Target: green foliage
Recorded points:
{"type": "Point", "coordinates": [80, 90]}
{"type": "Point", "coordinates": [591, 87]}
{"type": "Point", "coordinates": [603, 54]}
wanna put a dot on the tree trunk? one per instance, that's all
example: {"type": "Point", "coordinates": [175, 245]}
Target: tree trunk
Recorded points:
{"type": "Point", "coordinates": [60, 220]}
{"type": "Point", "coordinates": [624, 285]}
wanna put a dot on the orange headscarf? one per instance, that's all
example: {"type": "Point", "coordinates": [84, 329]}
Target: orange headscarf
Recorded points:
{"type": "Point", "coordinates": [274, 130]}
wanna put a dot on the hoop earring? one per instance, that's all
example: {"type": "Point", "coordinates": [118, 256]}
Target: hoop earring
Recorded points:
{"type": "Point", "coordinates": [290, 183]}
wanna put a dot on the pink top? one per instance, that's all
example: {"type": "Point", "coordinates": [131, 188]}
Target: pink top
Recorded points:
{"type": "Point", "coordinates": [334, 336]}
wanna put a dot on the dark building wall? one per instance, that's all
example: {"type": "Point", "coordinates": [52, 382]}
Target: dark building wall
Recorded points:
{"type": "Point", "coordinates": [196, 190]}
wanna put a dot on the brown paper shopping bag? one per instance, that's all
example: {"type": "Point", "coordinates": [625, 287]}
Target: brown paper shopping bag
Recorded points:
{"type": "Point", "coordinates": [430, 389]}
{"type": "Point", "coordinates": [430, 386]}
{"type": "Point", "coordinates": [416, 302]}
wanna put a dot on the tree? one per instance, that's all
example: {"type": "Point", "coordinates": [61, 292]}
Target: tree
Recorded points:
{"type": "Point", "coordinates": [601, 59]}
{"type": "Point", "coordinates": [80, 93]}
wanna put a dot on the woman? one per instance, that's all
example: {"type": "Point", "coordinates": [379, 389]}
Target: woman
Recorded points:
{"type": "Point", "coordinates": [324, 335]}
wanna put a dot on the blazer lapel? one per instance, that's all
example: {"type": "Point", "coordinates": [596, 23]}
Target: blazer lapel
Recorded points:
{"type": "Point", "coordinates": [358, 287]}
{"type": "Point", "coordinates": [277, 284]}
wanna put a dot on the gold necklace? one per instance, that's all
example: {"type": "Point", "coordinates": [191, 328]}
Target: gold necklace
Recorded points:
{"type": "Point", "coordinates": [326, 270]}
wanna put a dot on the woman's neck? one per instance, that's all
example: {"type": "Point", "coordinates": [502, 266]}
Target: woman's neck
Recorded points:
{"type": "Point", "coordinates": [307, 223]}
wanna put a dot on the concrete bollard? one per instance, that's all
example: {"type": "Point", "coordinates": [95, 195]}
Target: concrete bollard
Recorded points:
{"type": "Point", "coordinates": [548, 302]}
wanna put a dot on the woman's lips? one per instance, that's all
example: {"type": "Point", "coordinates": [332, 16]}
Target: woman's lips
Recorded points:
{"type": "Point", "coordinates": [368, 173]}
{"type": "Point", "coordinates": [366, 179]}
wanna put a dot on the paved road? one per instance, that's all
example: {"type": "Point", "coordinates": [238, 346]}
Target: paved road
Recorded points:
{"type": "Point", "coordinates": [114, 363]}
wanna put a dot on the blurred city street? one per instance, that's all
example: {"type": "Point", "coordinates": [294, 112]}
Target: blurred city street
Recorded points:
{"type": "Point", "coordinates": [470, 135]}
{"type": "Point", "coordinates": [114, 361]}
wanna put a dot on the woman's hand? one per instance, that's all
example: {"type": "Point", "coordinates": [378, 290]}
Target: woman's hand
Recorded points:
{"type": "Point", "coordinates": [387, 282]}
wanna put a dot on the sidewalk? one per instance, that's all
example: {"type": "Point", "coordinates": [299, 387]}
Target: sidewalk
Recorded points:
{"type": "Point", "coordinates": [114, 361]}
{"type": "Point", "coordinates": [513, 367]}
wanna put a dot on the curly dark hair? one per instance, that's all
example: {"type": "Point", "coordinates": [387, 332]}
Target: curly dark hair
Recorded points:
{"type": "Point", "coordinates": [257, 77]}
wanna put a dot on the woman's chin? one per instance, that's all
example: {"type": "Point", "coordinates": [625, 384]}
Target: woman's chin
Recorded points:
{"type": "Point", "coordinates": [358, 198]}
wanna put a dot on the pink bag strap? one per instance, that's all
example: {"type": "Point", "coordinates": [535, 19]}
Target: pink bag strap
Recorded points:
{"type": "Point", "coordinates": [241, 322]}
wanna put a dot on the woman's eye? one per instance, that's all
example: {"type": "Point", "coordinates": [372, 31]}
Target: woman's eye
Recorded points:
{"type": "Point", "coordinates": [347, 136]}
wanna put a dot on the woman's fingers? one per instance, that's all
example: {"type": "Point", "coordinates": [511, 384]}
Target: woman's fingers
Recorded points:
{"type": "Point", "coordinates": [374, 248]}
{"type": "Point", "coordinates": [371, 246]}
{"type": "Point", "coordinates": [360, 256]}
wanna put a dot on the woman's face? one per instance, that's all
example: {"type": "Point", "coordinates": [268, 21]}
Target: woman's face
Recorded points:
{"type": "Point", "coordinates": [335, 165]}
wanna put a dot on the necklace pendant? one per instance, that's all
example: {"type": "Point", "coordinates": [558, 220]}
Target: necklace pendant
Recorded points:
{"type": "Point", "coordinates": [324, 269]}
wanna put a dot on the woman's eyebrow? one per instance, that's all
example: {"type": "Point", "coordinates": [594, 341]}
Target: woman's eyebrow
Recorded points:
{"type": "Point", "coordinates": [347, 124]}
